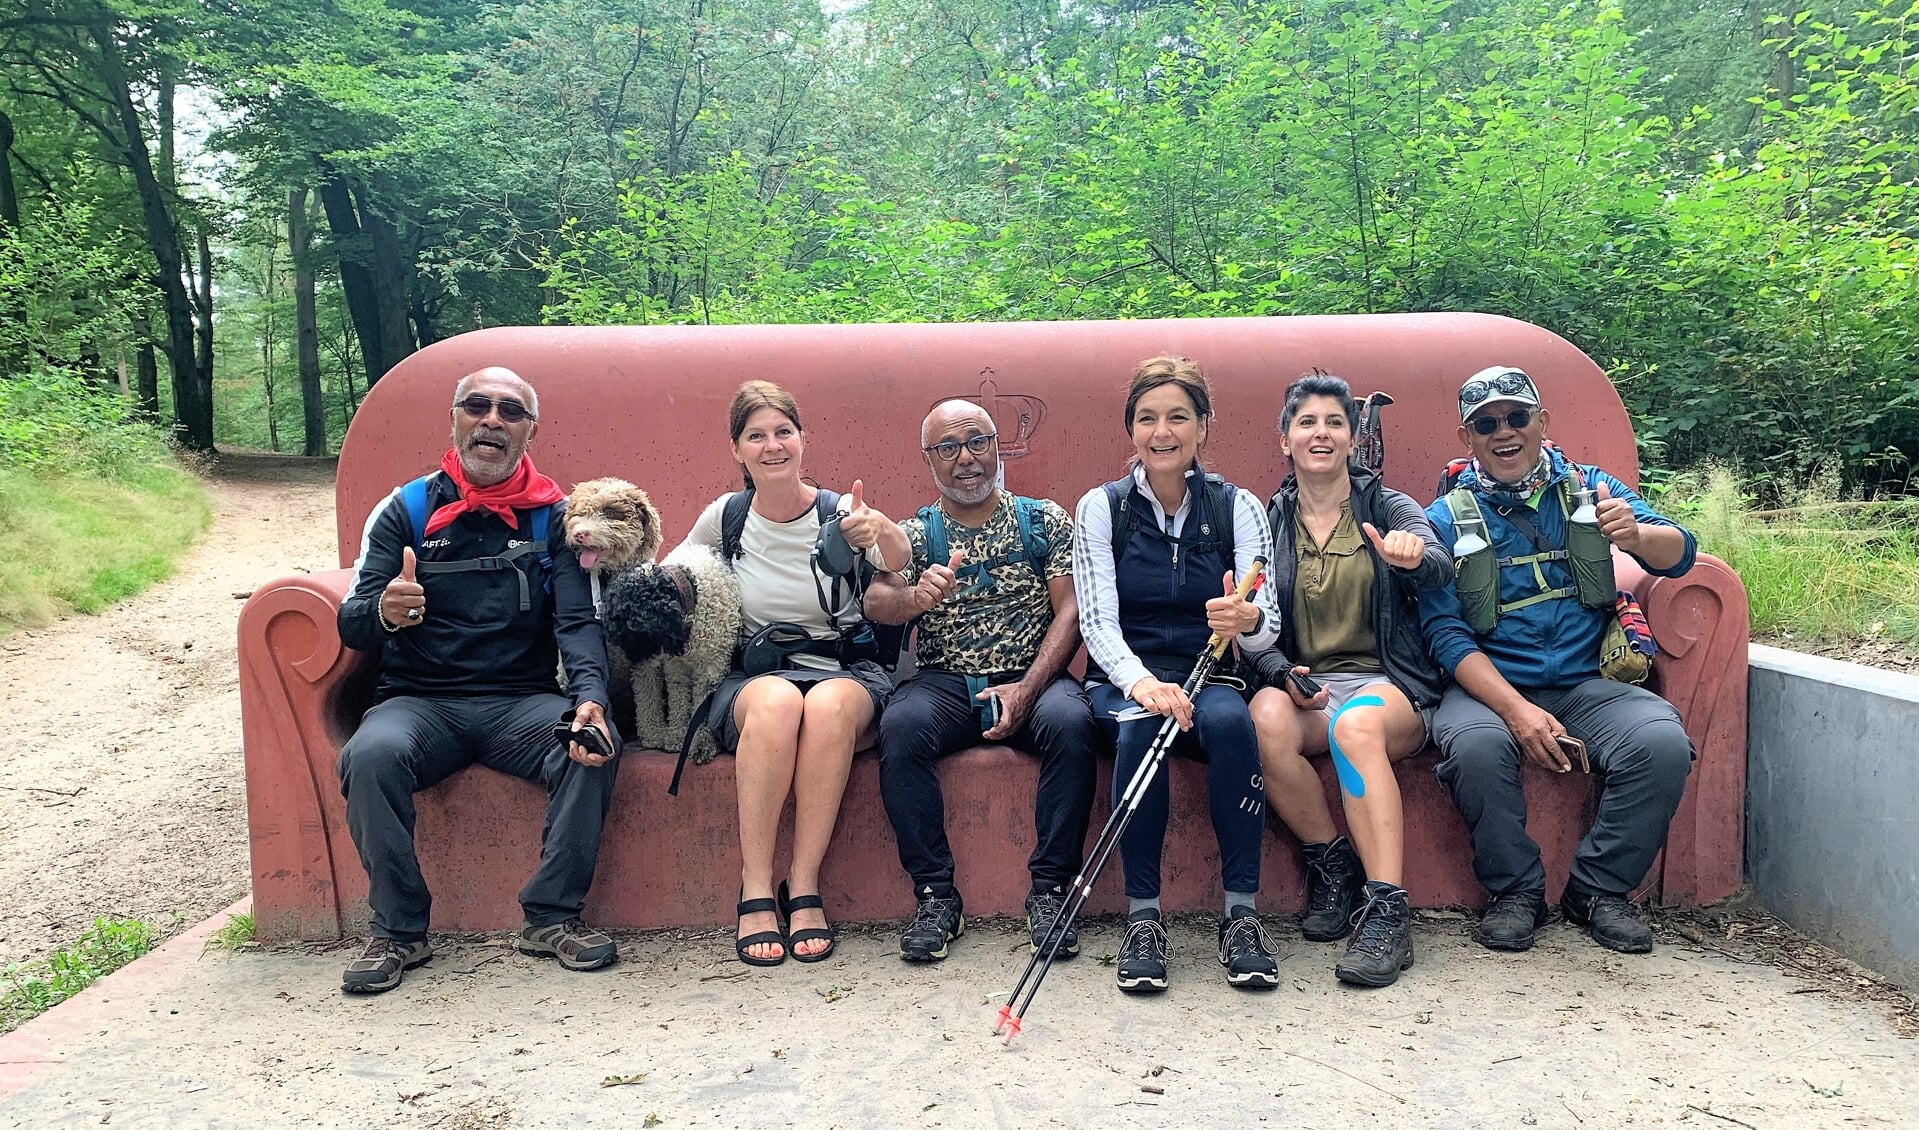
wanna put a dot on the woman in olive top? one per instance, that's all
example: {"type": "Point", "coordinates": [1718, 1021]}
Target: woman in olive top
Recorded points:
{"type": "Point", "coordinates": [1348, 556]}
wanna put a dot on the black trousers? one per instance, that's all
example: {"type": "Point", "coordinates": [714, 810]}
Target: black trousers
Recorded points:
{"type": "Point", "coordinates": [410, 743]}
{"type": "Point", "coordinates": [1639, 751]}
{"type": "Point", "coordinates": [931, 716]}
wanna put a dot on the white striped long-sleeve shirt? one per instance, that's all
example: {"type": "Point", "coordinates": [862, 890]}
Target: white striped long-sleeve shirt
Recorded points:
{"type": "Point", "coordinates": [1096, 583]}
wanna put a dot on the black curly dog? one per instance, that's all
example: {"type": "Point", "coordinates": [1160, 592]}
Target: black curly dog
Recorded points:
{"type": "Point", "coordinates": [646, 611]}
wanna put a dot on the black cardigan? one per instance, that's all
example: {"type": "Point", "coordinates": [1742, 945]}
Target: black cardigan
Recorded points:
{"type": "Point", "coordinates": [1403, 655]}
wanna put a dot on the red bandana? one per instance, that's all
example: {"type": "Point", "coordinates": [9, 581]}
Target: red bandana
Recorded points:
{"type": "Point", "coordinates": [524, 489]}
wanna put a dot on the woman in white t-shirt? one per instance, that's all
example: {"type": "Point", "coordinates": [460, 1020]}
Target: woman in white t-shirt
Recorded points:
{"type": "Point", "coordinates": [792, 731]}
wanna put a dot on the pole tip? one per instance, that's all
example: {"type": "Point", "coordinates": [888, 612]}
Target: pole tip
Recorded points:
{"type": "Point", "coordinates": [1012, 1029]}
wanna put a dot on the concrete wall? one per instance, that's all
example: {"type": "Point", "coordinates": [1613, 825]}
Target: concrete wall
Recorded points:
{"type": "Point", "coordinates": [1832, 805]}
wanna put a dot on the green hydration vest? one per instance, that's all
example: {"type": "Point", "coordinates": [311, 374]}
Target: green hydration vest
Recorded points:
{"type": "Point", "coordinates": [1476, 564]}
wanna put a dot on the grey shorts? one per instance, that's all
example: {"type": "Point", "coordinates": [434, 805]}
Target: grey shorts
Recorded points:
{"type": "Point", "coordinates": [1343, 687]}
{"type": "Point", "coordinates": [726, 731]}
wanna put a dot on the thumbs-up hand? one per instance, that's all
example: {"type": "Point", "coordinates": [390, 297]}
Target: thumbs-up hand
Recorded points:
{"type": "Point", "coordinates": [1402, 549]}
{"type": "Point", "coordinates": [1616, 519]}
{"type": "Point", "coordinates": [1231, 614]}
{"type": "Point", "coordinates": [861, 523]}
{"type": "Point", "coordinates": [938, 582]}
{"type": "Point", "coordinates": [403, 601]}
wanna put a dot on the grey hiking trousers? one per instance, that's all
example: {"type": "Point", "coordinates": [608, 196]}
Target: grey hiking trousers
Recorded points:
{"type": "Point", "coordinates": [1639, 752]}
{"type": "Point", "coordinates": [413, 742]}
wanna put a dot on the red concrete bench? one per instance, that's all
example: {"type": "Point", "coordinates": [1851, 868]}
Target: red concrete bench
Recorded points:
{"type": "Point", "coordinates": [649, 404]}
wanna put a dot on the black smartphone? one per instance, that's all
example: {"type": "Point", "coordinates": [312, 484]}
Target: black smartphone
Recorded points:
{"type": "Point", "coordinates": [589, 737]}
{"type": "Point", "coordinates": [1306, 687]}
{"type": "Point", "coordinates": [1575, 751]}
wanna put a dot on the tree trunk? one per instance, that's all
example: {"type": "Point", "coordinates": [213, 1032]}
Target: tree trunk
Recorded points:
{"type": "Point", "coordinates": [266, 349]}
{"type": "Point", "coordinates": [193, 413]}
{"type": "Point", "coordinates": [375, 268]}
{"type": "Point", "coordinates": [392, 274]}
{"type": "Point", "coordinates": [9, 198]}
{"type": "Point", "coordinates": [147, 386]}
{"type": "Point", "coordinates": [203, 362]}
{"type": "Point", "coordinates": [306, 321]}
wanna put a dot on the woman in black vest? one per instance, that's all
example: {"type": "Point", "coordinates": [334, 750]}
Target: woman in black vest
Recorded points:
{"type": "Point", "coordinates": [1349, 555]}
{"type": "Point", "coordinates": [1155, 558]}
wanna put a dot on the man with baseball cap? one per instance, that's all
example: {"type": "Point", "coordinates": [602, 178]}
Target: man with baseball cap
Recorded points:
{"type": "Point", "coordinates": [1520, 632]}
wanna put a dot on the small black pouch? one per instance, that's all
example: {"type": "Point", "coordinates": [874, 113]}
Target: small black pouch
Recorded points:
{"type": "Point", "coordinates": [588, 736]}
{"type": "Point", "coordinates": [772, 648]}
{"type": "Point", "coordinates": [832, 553]}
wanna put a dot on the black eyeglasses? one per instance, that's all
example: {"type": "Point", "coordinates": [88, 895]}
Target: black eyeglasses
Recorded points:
{"type": "Point", "coordinates": [949, 450]}
{"type": "Point", "coordinates": [1512, 382]}
{"type": "Point", "coordinates": [1518, 418]}
{"type": "Point", "coordinates": [511, 411]}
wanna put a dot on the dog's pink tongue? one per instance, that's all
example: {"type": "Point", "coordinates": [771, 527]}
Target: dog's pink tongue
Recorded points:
{"type": "Point", "coordinates": [588, 557]}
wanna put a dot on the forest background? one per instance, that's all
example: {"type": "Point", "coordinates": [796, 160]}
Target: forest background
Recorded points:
{"type": "Point", "coordinates": [224, 219]}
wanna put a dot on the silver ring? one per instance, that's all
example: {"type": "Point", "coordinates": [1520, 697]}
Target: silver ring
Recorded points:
{"type": "Point", "coordinates": [413, 614]}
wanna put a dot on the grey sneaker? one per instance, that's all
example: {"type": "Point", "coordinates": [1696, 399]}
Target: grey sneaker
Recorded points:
{"type": "Point", "coordinates": [379, 968]}
{"type": "Point", "coordinates": [1043, 908]}
{"type": "Point", "coordinates": [576, 945]}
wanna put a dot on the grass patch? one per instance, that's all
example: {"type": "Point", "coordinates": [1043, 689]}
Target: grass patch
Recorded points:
{"type": "Point", "coordinates": [108, 526]}
{"type": "Point", "coordinates": [234, 935]}
{"type": "Point", "coordinates": [28, 990]}
{"type": "Point", "coordinates": [1822, 568]}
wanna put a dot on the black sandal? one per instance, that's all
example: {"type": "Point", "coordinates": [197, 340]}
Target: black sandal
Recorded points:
{"type": "Point", "coordinates": [764, 937]}
{"type": "Point", "coordinates": [806, 902]}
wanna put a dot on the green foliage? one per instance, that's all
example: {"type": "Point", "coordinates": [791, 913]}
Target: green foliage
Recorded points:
{"type": "Point", "coordinates": [1823, 569]}
{"type": "Point", "coordinates": [108, 527]}
{"type": "Point", "coordinates": [28, 990]}
{"type": "Point", "coordinates": [234, 935]}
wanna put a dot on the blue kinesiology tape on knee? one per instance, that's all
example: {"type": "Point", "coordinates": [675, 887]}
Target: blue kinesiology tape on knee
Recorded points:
{"type": "Point", "coordinates": [1349, 778]}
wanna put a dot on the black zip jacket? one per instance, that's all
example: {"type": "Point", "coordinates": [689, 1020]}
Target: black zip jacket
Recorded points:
{"type": "Point", "coordinates": [1395, 612]}
{"type": "Point", "coordinates": [474, 639]}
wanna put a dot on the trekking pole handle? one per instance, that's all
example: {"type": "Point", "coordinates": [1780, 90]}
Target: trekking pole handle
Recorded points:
{"type": "Point", "coordinates": [1217, 645]}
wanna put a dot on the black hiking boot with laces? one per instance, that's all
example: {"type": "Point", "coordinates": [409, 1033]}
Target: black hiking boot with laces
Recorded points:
{"type": "Point", "coordinates": [1382, 945]}
{"type": "Point", "coordinates": [1246, 952]}
{"type": "Point", "coordinates": [937, 920]}
{"type": "Point", "coordinates": [1042, 909]}
{"type": "Point", "coordinates": [1142, 956]}
{"type": "Point", "coordinates": [1335, 880]}
{"type": "Point", "coordinates": [1512, 922]}
{"type": "Point", "coordinates": [1610, 919]}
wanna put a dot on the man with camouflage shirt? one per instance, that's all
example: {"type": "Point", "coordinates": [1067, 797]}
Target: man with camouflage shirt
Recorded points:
{"type": "Point", "coordinates": [998, 623]}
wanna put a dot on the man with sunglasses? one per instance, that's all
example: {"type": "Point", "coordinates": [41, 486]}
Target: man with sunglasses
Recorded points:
{"type": "Point", "coordinates": [991, 583]}
{"type": "Point", "coordinates": [1532, 677]}
{"type": "Point", "coordinates": [471, 613]}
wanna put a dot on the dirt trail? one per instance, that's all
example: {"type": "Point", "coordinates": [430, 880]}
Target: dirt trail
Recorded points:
{"type": "Point", "coordinates": [121, 785]}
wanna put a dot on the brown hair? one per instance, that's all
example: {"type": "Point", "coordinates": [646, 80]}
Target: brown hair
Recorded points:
{"type": "Point", "coordinates": [751, 397]}
{"type": "Point", "coordinates": [1182, 371]}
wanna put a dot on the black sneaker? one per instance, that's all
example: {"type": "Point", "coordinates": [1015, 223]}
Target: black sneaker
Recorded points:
{"type": "Point", "coordinates": [1612, 921]}
{"type": "Point", "coordinates": [936, 921]}
{"type": "Point", "coordinates": [1512, 921]}
{"type": "Point", "coordinates": [379, 968]}
{"type": "Point", "coordinates": [1382, 945]}
{"type": "Point", "coordinates": [1042, 908]}
{"type": "Point", "coordinates": [1335, 880]}
{"type": "Point", "coordinates": [1142, 956]}
{"type": "Point", "coordinates": [572, 943]}
{"type": "Point", "coordinates": [1246, 952]}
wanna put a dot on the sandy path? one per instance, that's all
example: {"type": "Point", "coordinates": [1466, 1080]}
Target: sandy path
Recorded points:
{"type": "Point", "coordinates": [121, 784]}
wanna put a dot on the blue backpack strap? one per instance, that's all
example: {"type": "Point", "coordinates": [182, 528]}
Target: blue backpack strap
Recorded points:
{"type": "Point", "coordinates": [542, 521]}
{"type": "Point", "coordinates": [1032, 538]}
{"type": "Point", "coordinates": [413, 497]}
{"type": "Point", "coordinates": [934, 520]}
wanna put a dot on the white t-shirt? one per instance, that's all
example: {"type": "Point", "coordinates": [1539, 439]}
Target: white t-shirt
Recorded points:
{"type": "Point", "coordinates": [776, 575]}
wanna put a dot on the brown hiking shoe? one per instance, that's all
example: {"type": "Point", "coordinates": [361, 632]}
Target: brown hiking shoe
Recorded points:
{"type": "Point", "coordinates": [379, 968]}
{"type": "Point", "coordinates": [578, 946]}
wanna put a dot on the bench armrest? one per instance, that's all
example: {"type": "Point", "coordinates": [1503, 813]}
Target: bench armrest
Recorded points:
{"type": "Point", "coordinates": [1702, 624]}
{"type": "Point", "coordinates": [296, 683]}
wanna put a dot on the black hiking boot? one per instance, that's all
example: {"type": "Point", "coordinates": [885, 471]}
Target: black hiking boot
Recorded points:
{"type": "Point", "coordinates": [1382, 945]}
{"type": "Point", "coordinates": [1334, 881]}
{"type": "Point", "coordinates": [1042, 909]}
{"type": "Point", "coordinates": [1142, 956]}
{"type": "Point", "coordinates": [936, 921]}
{"type": "Point", "coordinates": [1246, 952]}
{"type": "Point", "coordinates": [379, 968]}
{"type": "Point", "coordinates": [1612, 921]}
{"type": "Point", "coordinates": [1512, 922]}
